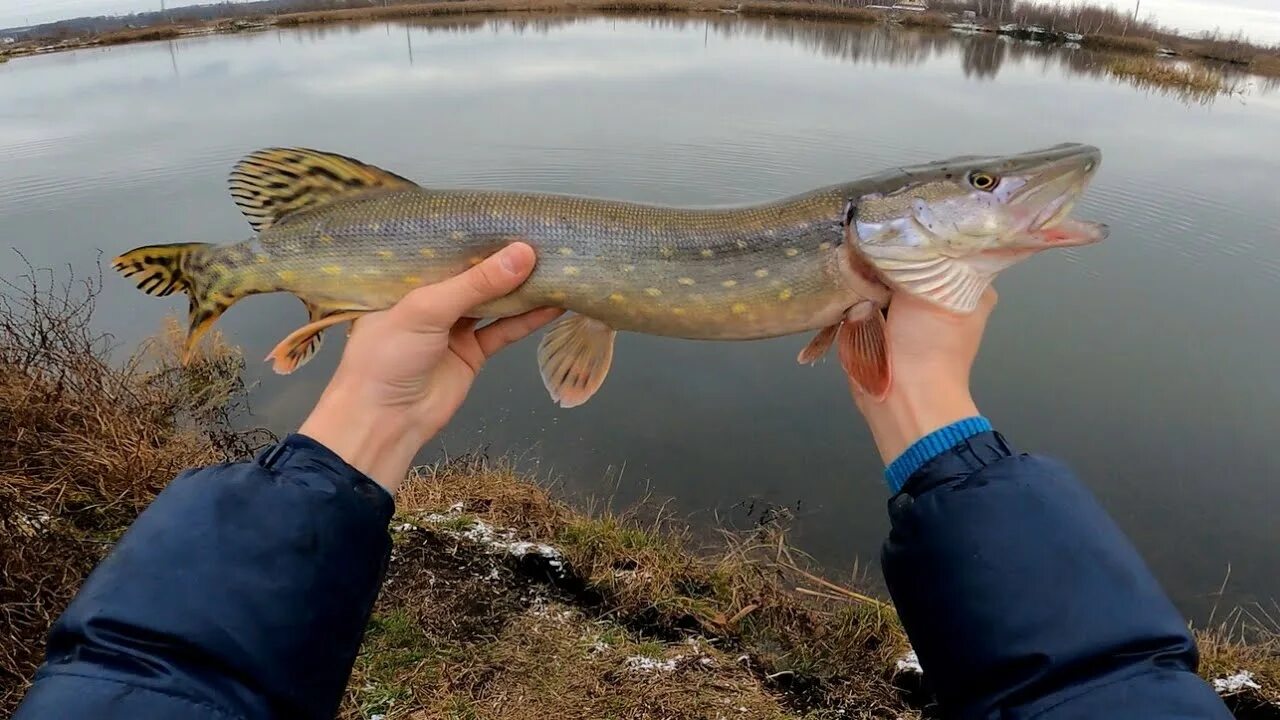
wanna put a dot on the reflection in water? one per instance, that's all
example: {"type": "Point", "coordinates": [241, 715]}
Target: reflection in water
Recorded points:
{"type": "Point", "coordinates": [980, 55]}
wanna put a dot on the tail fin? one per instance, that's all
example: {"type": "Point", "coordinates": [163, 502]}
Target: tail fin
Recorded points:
{"type": "Point", "coordinates": [166, 268]}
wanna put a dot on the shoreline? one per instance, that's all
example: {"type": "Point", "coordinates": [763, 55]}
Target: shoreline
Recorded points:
{"type": "Point", "coordinates": [1263, 63]}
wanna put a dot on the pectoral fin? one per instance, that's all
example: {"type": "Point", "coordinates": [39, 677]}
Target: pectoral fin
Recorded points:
{"type": "Point", "coordinates": [951, 283]}
{"type": "Point", "coordinates": [300, 345]}
{"type": "Point", "coordinates": [864, 351]}
{"type": "Point", "coordinates": [574, 358]}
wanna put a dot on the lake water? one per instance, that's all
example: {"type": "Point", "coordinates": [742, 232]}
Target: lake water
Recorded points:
{"type": "Point", "coordinates": [1149, 363]}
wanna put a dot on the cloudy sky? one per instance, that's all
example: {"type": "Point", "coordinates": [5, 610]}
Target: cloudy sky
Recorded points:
{"type": "Point", "coordinates": [1260, 19]}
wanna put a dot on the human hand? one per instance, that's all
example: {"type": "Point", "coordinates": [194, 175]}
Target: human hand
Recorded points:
{"type": "Point", "coordinates": [931, 353]}
{"type": "Point", "coordinates": [406, 370]}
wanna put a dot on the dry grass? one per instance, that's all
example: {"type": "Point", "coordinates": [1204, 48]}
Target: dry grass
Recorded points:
{"type": "Point", "coordinates": [638, 576]}
{"type": "Point", "coordinates": [1129, 44]}
{"type": "Point", "coordinates": [1266, 65]}
{"type": "Point", "coordinates": [1247, 640]}
{"type": "Point", "coordinates": [85, 444]}
{"type": "Point", "coordinates": [142, 34]}
{"type": "Point", "coordinates": [1188, 81]}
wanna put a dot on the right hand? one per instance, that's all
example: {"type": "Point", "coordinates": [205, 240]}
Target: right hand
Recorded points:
{"type": "Point", "coordinates": [931, 352]}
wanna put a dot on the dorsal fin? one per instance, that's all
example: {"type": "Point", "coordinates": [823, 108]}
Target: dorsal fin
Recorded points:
{"type": "Point", "coordinates": [272, 184]}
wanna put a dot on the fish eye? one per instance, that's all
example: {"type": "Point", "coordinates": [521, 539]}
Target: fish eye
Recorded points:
{"type": "Point", "coordinates": [983, 181]}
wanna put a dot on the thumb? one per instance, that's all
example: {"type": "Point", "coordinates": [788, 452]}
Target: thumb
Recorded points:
{"type": "Point", "coordinates": [437, 307]}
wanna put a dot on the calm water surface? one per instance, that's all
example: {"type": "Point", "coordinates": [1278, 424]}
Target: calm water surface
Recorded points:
{"type": "Point", "coordinates": [1148, 363]}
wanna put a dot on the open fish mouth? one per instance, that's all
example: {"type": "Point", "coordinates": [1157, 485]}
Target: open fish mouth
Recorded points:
{"type": "Point", "coordinates": [1048, 197]}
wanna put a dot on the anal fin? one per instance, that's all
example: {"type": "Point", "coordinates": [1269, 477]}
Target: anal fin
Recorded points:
{"type": "Point", "coordinates": [300, 345]}
{"type": "Point", "coordinates": [864, 351]}
{"type": "Point", "coordinates": [574, 358]}
{"type": "Point", "coordinates": [306, 348]}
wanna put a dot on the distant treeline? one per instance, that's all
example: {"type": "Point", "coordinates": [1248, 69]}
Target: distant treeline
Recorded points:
{"type": "Point", "coordinates": [1103, 27]}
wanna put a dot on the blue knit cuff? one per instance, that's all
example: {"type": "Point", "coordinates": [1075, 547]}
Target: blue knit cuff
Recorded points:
{"type": "Point", "coordinates": [931, 446]}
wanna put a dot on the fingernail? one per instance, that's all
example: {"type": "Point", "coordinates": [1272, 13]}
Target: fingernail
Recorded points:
{"type": "Point", "coordinates": [507, 259]}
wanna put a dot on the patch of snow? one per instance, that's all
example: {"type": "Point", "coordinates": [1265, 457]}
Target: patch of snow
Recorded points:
{"type": "Point", "coordinates": [493, 574]}
{"type": "Point", "coordinates": [553, 556]}
{"type": "Point", "coordinates": [910, 663]}
{"type": "Point", "coordinates": [457, 508]}
{"type": "Point", "coordinates": [706, 661]}
{"type": "Point", "coordinates": [599, 646]}
{"type": "Point", "coordinates": [496, 539]}
{"type": "Point", "coordinates": [640, 663]}
{"type": "Point", "coordinates": [404, 527]}
{"type": "Point", "coordinates": [377, 717]}
{"type": "Point", "coordinates": [1239, 682]}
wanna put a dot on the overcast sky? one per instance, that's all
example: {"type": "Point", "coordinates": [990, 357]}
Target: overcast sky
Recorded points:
{"type": "Point", "coordinates": [1260, 19]}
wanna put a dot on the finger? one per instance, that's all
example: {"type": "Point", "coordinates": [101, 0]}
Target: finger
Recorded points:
{"type": "Point", "coordinates": [495, 336]}
{"type": "Point", "coordinates": [435, 308]}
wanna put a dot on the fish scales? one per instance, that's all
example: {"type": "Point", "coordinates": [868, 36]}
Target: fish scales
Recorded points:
{"type": "Point", "coordinates": [701, 274]}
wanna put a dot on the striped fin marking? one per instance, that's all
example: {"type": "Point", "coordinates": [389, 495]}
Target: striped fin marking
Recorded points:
{"type": "Point", "coordinates": [275, 183]}
{"type": "Point", "coordinates": [159, 267]}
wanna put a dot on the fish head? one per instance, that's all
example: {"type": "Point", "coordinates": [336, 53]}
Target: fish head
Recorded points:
{"type": "Point", "coordinates": [944, 230]}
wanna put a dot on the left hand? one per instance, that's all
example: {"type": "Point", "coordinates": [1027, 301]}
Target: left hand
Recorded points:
{"type": "Point", "coordinates": [406, 370]}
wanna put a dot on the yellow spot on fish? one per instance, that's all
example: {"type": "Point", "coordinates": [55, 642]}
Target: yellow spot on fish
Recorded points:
{"type": "Point", "coordinates": [475, 260]}
{"type": "Point", "coordinates": [571, 270]}
{"type": "Point", "coordinates": [566, 251]}
{"type": "Point", "coordinates": [738, 308]}
{"type": "Point", "coordinates": [556, 295]}
{"type": "Point", "coordinates": [385, 254]}
{"type": "Point", "coordinates": [762, 273]}
{"type": "Point", "coordinates": [331, 270]}
{"type": "Point", "coordinates": [287, 275]}
{"type": "Point", "coordinates": [791, 252]}
{"type": "Point", "coordinates": [652, 292]}
{"type": "Point", "coordinates": [785, 294]}
{"type": "Point", "coordinates": [824, 246]}
{"type": "Point", "coordinates": [455, 235]}
{"type": "Point", "coordinates": [427, 253]}
{"type": "Point", "coordinates": [326, 239]}
{"type": "Point", "coordinates": [412, 279]}
{"type": "Point", "coordinates": [677, 311]}
{"type": "Point", "coordinates": [375, 227]}
{"type": "Point", "coordinates": [666, 252]}
{"type": "Point", "coordinates": [729, 283]}
{"type": "Point", "coordinates": [617, 297]}
{"type": "Point", "coordinates": [262, 259]}
{"type": "Point", "coordinates": [708, 253]}
{"type": "Point", "coordinates": [742, 245]}
{"type": "Point", "coordinates": [627, 268]}
{"type": "Point", "coordinates": [685, 281]}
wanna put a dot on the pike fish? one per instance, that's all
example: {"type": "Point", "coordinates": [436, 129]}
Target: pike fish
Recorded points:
{"type": "Point", "coordinates": [349, 238]}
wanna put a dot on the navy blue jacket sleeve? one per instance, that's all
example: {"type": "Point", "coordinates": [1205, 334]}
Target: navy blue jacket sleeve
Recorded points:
{"type": "Point", "coordinates": [1023, 599]}
{"type": "Point", "coordinates": [241, 592]}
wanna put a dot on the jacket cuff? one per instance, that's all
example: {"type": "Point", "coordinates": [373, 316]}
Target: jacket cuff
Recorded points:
{"type": "Point", "coordinates": [298, 450]}
{"type": "Point", "coordinates": [929, 447]}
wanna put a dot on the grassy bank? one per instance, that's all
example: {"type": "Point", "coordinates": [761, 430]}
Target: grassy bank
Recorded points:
{"type": "Point", "coordinates": [502, 600]}
{"type": "Point", "coordinates": [1189, 82]}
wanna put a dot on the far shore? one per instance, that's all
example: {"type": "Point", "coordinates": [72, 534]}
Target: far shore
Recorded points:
{"type": "Point", "coordinates": [1203, 54]}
